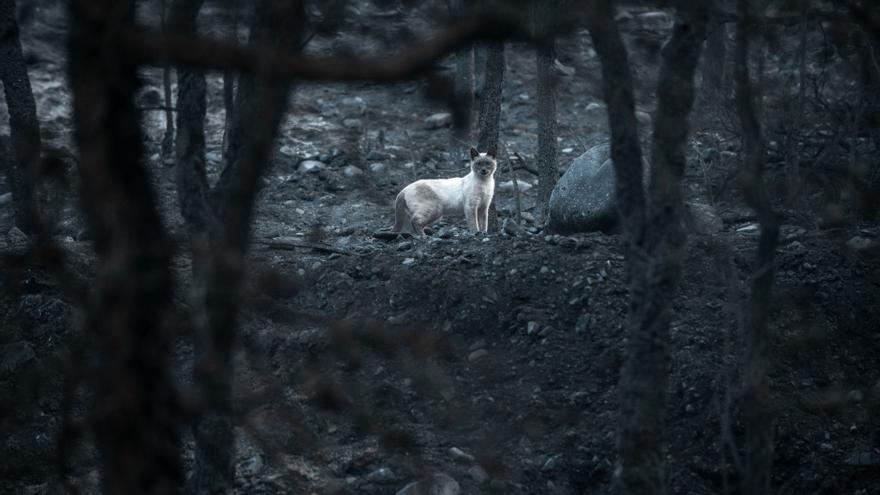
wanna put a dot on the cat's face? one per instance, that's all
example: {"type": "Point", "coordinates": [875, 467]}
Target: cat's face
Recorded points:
{"type": "Point", "coordinates": [482, 164]}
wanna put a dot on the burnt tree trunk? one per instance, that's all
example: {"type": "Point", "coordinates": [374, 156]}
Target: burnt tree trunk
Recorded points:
{"type": "Point", "coordinates": [547, 127]}
{"type": "Point", "coordinates": [715, 61]}
{"type": "Point", "coordinates": [490, 111]}
{"type": "Point", "coordinates": [653, 232]}
{"type": "Point", "coordinates": [168, 139]}
{"type": "Point", "coordinates": [755, 402]}
{"type": "Point", "coordinates": [260, 107]}
{"type": "Point", "coordinates": [192, 181]}
{"type": "Point", "coordinates": [464, 93]}
{"type": "Point", "coordinates": [23, 124]}
{"type": "Point", "coordinates": [135, 415]}
{"type": "Point", "coordinates": [229, 79]}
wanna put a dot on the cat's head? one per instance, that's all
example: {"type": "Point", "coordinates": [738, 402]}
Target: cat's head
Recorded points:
{"type": "Point", "coordinates": [483, 164]}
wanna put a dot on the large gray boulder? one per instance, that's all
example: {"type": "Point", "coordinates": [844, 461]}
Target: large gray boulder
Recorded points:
{"type": "Point", "coordinates": [583, 199]}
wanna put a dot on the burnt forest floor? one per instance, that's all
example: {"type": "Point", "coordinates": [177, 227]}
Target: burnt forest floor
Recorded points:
{"type": "Point", "coordinates": [491, 358]}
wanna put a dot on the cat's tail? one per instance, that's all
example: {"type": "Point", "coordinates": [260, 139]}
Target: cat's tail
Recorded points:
{"type": "Point", "coordinates": [401, 214]}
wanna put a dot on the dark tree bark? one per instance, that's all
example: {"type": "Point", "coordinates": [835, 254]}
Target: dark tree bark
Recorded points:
{"type": "Point", "coordinates": [24, 127]}
{"type": "Point", "coordinates": [546, 157]}
{"type": "Point", "coordinates": [260, 107]}
{"type": "Point", "coordinates": [464, 92]}
{"type": "Point", "coordinates": [652, 229]}
{"type": "Point", "coordinates": [136, 417]}
{"type": "Point", "coordinates": [755, 406]}
{"type": "Point", "coordinates": [229, 80]}
{"type": "Point", "coordinates": [168, 140]}
{"type": "Point", "coordinates": [490, 111]}
{"type": "Point", "coordinates": [715, 63]}
{"type": "Point", "coordinates": [192, 181]}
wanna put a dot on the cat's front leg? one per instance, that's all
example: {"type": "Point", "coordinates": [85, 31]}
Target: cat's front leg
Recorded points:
{"type": "Point", "coordinates": [472, 217]}
{"type": "Point", "coordinates": [483, 217]}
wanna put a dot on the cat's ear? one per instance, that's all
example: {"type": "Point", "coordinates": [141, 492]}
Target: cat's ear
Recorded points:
{"type": "Point", "coordinates": [492, 152]}
{"type": "Point", "coordinates": [474, 153]}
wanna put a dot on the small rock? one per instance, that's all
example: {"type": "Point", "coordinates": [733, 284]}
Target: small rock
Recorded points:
{"type": "Point", "coordinates": [310, 166]}
{"type": "Point", "coordinates": [511, 228]}
{"type": "Point", "coordinates": [860, 244]}
{"type": "Point", "coordinates": [862, 459]}
{"type": "Point", "coordinates": [5, 198]}
{"type": "Point", "coordinates": [583, 323]}
{"type": "Point", "coordinates": [479, 353]}
{"type": "Point", "coordinates": [478, 474]}
{"type": "Point", "coordinates": [644, 118]}
{"type": "Point", "coordinates": [352, 123]}
{"type": "Point", "coordinates": [552, 463]}
{"type": "Point", "coordinates": [408, 261]}
{"type": "Point", "coordinates": [528, 217]}
{"type": "Point", "coordinates": [438, 120]}
{"type": "Point", "coordinates": [251, 466]}
{"type": "Point", "coordinates": [381, 475]}
{"type": "Point", "coordinates": [532, 327]}
{"type": "Point", "coordinates": [377, 168]}
{"type": "Point", "coordinates": [16, 238]}
{"type": "Point", "coordinates": [460, 455]}
{"type": "Point", "coordinates": [352, 171]}
{"type": "Point", "coordinates": [437, 484]}
{"type": "Point", "coordinates": [14, 356]}
{"type": "Point", "coordinates": [563, 69]}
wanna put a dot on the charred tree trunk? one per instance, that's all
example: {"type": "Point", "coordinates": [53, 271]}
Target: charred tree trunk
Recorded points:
{"type": "Point", "coordinates": [23, 124]}
{"type": "Point", "coordinates": [546, 157]}
{"type": "Point", "coordinates": [490, 111]}
{"type": "Point", "coordinates": [464, 93]}
{"type": "Point", "coordinates": [229, 80]}
{"type": "Point", "coordinates": [713, 66]}
{"type": "Point", "coordinates": [259, 110]}
{"type": "Point", "coordinates": [652, 230]}
{"type": "Point", "coordinates": [755, 404]}
{"type": "Point", "coordinates": [135, 414]}
{"type": "Point", "coordinates": [168, 140]}
{"type": "Point", "coordinates": [192, 181]}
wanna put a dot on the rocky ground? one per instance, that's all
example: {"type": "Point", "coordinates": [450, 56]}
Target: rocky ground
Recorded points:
{"type": "Point", "coordinates": [492, 359]}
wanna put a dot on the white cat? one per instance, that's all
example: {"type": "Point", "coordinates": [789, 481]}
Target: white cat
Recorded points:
{"type": "Point", "coordinates": [424, 201]}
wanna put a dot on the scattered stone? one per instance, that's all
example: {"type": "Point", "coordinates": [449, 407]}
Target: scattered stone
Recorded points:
{"type": "Point", "coordinates": [479, 353]}
{"type": "Point", "coordinates": [532, 327]}
{"type": "Point", "coordinates": [863, 459]}
{"type": "Point", "coordinates": [702, 219]}
{"type": "Point", "coordinates": [511, 228]}
{"type": "Point", "coordinates": [251, 466]}
{"type": "Point", "coordinates": [377, 168]}
{"type": "Point", "coordinates": [381, 475]}
{"type": "Point", "coordinates": [461, 456]}
{"type": "Point", "coordinates": [352, 123]}
{"type": "Point", "coordinates": [478, 474]}
{"type": "Point", "coordinates": [655, 20]}
{"type": "Point", "coordinates": [860, 244]}
{"type": "Point", "coordinates": [544, 270]}
{"type": "Point", "coordinates": [438, 120]}
{"type": "Point", "coordinates": [644, 119]}
{"type": "Point", "coordinates": [528, 217]}
{"type": "Point", "coordinates": [14, 356]}
{"type": "Point", "coordinates": [310, 166]}
{"type": "Point", "coordinates": [750, 228]}
{"type": "Point", "coordinates": [583, 199]}
{"type": "Point", "coordinates": [5, 198]}
{"type": "Point", "coordinates": [437, 484]}
{"type": "Point", "coordinates": [563, 69]}
{"type": "Point", "coordinates": [408, 261]}
{"type": "Point", "coordinates": [351, 171]}
{"type": "Point", "coordinates": [552, 463]}
{"type": "Point", "coordinates": [16, 238]}
{"type": "Point", "coordinates": [583, 323]}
